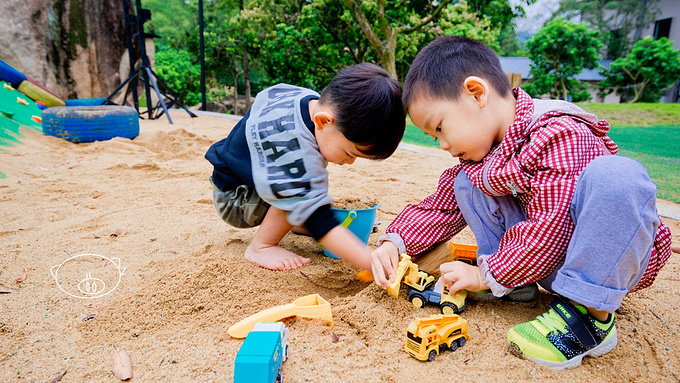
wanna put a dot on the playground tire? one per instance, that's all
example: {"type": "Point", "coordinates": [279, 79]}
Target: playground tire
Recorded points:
{"type": "Point", "coordinates": [86, 101]}
{"type": "Point", "coordinates": [90, 123]}
{"type": "Point", "coordinates": [11, 75]}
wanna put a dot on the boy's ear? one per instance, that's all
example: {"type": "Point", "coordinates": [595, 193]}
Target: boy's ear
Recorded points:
{"type": "Point", "coordinates": [322, 118]}
{"type": "Point", "coordinates": [478, 88]}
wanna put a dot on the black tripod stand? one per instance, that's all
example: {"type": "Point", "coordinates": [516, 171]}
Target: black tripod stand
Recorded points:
{"type": "Point", "coordinates": [144, 73]}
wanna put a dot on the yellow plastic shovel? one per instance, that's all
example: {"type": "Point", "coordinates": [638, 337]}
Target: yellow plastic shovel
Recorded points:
{"type": "Point", "coordinates": [309, 306]}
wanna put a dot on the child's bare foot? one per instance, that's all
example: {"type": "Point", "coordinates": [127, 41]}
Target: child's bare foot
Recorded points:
{"type": "Point", "coordinates": [275, 258]}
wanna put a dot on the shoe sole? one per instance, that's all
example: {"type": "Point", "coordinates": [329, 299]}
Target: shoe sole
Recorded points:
{"type": "Point", "coordinates": [607, 345]}
{"type": "Point", "coordinates": [522, 294]}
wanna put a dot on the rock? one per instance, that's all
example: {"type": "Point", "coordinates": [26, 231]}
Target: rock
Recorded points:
{"type": "Point", "coordinates": [75, 52]}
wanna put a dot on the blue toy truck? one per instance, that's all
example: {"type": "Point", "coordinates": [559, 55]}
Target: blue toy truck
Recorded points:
{"type": "Point", "coordinates": [262, 353]}
{"type": "Point", "coordinates": [438, 294]}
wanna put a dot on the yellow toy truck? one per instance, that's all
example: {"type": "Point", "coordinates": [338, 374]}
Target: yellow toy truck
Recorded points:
{"type": "Point", "coordinates": [428, 337]}
{"type": "Point", "coordinates": [464, 253]}
{"type": "Point", "coordinates": [423, 290]}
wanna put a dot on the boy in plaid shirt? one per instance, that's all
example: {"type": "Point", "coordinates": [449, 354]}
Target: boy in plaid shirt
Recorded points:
{"type": "Point", "coordinates": [544, 194]}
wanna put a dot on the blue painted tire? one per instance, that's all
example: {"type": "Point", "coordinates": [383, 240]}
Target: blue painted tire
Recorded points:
{"type": "Point", "coordinates": [90, 123]}
{"type": "Point", "coordinates": [11, 75]}
{"type": "Point", "coordinates": [86, 101]}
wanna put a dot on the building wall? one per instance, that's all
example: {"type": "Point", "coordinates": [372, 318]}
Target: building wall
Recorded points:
{"type": "Point", "coordinates": [669, 9]}
{"type": "Point", "coordinates": [611, 98]}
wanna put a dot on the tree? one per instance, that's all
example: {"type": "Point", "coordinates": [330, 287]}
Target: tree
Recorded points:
{"type": "Point", "coordinates": [180, 74]}
{"type": "Point", "coordinates": [307, 42]}
{"type": "Point", "coordinates": [230, 40]}
{"type": "Point", "coordinates": [170, 19]}
{"type": "Point", "coordinates": [559, 52]}
{"type": "Point", "coordinates": [382, 25]}
{"type": "Point", "coordinates": [501, 15]}
{"type": "Point", "coordinates": [460, 20]}
{"type": "Point", "coordinates": [650, 67]}
{"type": "Point", "coordinates": [619, 20]}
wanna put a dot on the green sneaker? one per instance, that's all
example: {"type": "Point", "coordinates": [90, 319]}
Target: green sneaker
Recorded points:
{"type": "Point", "coordinates": [526, 293]}
{"type": "Point", "coordinates": [561, 337]}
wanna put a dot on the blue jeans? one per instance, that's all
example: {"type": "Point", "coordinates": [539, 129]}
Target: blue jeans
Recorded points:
{"type": "Point", "coordinates": [615, 217]}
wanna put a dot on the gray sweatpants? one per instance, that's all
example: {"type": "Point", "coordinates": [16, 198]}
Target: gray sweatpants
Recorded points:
{"type": "Point", "coordinates": [615, 217]}
{"type": "Point", "coordinates": [240, 207]}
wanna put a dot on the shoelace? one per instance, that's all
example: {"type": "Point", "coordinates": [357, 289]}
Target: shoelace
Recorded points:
{"type": "Point", "coordinates": [553, 322]}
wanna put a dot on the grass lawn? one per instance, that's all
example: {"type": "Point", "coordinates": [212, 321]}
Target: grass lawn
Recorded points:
{"type": "Point", "coordinates": [649, 133]}
{"type": "Point", "coordinates": [656, 147]}
{"type": "Point", "coordinates": [640, 114]}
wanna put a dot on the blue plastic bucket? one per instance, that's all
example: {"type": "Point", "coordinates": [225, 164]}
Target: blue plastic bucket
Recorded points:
{"type": "Point", "coordinates": [358, 221]}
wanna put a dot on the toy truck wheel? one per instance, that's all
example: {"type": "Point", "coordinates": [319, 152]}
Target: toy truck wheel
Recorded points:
{"type": "Point", "coordinates": [418, 300]}
{"type": "Point", "coordinates": [431, 356]}
{"type": "Point", "coordinates": [453, 346]}
{"type": "Point", "coordinates": [461, 341]}
{"type": "Point", "coordinates": [449, 308]}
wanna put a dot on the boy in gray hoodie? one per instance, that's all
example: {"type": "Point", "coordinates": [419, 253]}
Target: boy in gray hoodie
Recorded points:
{"type": "Point", "coordinates": [271, 169]}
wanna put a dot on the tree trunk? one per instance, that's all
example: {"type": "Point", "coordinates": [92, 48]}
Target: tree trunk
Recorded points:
{"type": "Point", "coordinates": [638, 92]}
{"type": "Point", "coordinates": [246, 65]}
{"type": "Point", "coordinates": [385, 57]}
{"type": "Point", "coordinates": [246, 77]}
{"type": "Point", "coordinates": [389, 54]}
{"type": "Point", "coordinates": [386, 49]}
{"type": "Point", "coordinates": [235, 76]}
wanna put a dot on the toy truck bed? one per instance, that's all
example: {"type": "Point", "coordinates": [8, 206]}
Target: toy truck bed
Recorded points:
{"type": "Point", "coordinates": [259, 358]}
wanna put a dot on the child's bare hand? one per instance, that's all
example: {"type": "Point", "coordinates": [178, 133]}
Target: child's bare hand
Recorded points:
{"type": "Point", "coordinates": [462, 276]}
{"type": "Point", "coordinates": [384, 263]}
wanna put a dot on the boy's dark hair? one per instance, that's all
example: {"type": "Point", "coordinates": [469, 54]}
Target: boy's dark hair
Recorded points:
{"type": "Point", "coordinates": [366, 102]}
{"type": "Point", "coordinates": [438, 71]}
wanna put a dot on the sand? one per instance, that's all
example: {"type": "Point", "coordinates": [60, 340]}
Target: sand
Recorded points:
{"type": "Point", "coordinates": [184, 280]}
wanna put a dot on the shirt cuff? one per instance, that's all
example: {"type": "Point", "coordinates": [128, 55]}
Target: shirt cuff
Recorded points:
{"type": "Point", "coordinates": [395, 239]}
{"type": "Point", "coordinates": [497, 289]}
{"type": "Point", "coordinates": [321, 222]}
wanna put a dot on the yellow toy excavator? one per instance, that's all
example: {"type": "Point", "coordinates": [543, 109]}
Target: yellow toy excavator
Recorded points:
{"type": "Point", "coordinates": [422, 288]}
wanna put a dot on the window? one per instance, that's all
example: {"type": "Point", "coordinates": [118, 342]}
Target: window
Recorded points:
{"type": "Point", "coordinates": [662, 28]}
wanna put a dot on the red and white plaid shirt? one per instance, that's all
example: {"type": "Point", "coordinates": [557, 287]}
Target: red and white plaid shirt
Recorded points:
{"type": "Point", "coordinates": [539, 161]}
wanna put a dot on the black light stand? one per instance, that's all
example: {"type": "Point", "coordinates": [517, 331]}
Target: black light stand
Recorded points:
{"type": "Point", "coordinates": [144, 73]}
{"type": "Point", "coordinates": [202, 52]}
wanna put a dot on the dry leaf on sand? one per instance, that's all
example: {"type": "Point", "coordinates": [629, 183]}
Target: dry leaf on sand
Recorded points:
{"type": "Point", "coordinates": [122, 365]}
{"type": "Point", "coordinates": [22, 277]}
{"type": "Point", "coordinates": [57, 378]}
{"type": "Point", "coordinates": [121, 231]}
